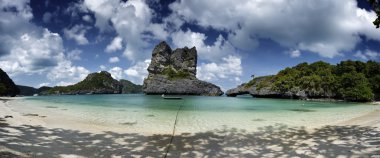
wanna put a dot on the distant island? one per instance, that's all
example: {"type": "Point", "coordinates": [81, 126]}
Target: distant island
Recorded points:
{"type": "Point", "coordinates": [30, 91]}
{"type": "Point", "coordinates": [349, 80]}
{"type": "Point", "coordinates": [96, 83]}
{"type": "Point", "coordinates": [174, 72]}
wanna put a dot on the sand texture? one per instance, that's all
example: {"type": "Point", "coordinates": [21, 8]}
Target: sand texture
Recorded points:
{"type": "Point", "coordinates": [40, 135]}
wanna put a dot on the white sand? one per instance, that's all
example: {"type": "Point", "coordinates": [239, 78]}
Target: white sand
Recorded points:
{"type": "Point", "coordinates": [66, 136]}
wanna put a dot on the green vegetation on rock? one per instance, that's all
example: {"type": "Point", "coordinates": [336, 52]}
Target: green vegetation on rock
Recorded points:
{"type": "Point", "coordinates": [101, 82]}
{"type": "Point", "coordinates": [354, 86]}
{"type": "Point", "coordinates": [348, 80]}
{"type": "Point", "coordinates": [96, 83]}
{"type": "Point", "coordinates": [172, 74]}
{"type": "Point", "coordinates": [261, 82]}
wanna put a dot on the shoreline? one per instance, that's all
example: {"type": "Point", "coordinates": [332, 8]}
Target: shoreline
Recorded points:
{"type": "Point", "coordinates": [39, 117]}
{"type": "Point", "coordinates": [29, 136]}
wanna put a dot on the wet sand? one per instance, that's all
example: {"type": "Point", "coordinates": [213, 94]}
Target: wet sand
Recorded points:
{"type": "Point", "coordinates": [40, 135]}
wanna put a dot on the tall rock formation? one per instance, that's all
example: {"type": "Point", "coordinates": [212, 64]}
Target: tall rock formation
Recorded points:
{"type": "Point", "coordinates": [7, 86]}
{"type": "Point", "coordinates": [174, 72]}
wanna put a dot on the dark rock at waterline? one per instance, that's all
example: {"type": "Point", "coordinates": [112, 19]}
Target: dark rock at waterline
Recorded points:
{"type": "Point", "coordinates": [174, 72]}
{"type": "Point", "coordinates": [7, 86]}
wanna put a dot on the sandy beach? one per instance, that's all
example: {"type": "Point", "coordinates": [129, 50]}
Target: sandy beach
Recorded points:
{"type": "Point", "coordinates": [44, 135]}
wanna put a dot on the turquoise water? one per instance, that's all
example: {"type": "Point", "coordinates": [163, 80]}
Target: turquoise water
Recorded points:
{"type": "Point", "coordinates": [188, 103]}
{"type": "Point", "coordinates": [152, 114]}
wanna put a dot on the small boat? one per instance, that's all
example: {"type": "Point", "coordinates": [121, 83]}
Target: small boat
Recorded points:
{"type": "Point", "coordinates": [173, 98]}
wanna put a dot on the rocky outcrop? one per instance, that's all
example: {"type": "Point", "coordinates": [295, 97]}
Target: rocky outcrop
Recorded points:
{"type": "Point", "coordinates": [7, 86]}
{"type": "Point", "coordinates": [262, 87]}
{"type": "Point", "coordinates": [174, 72]}
{"type": "Point", "coordinates": [255, 89]}
{"type": "Point", "coordinates": [160, 84]}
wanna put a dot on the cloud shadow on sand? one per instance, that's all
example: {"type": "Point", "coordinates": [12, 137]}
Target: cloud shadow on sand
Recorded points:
{"type": "Point", "coordinates": [270, 141]}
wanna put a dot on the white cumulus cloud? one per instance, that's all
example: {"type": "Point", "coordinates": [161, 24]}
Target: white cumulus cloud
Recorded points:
{"type": "Point", "coordinates": [114, 60]}
{"type": "Point", "coordinates": [367, 54]}
{"type": "Point", "coordinates": [102, 67]}
{"type": "Point", "coordinates": [87, 18]}
{"type": "Point", "coordinates": [77, 33]}
{"type": "Point", "coordinates": [66, 72]}
{"type": "Point", "coordinates": [230, 67]}
{"type": "Point", "coordinates": [30, 49]}
{"type": "Point", "coordinates": [132, 21]}
{"type": "Point", "coordinates": [326, 27]}
{"type": "Point", "coordinates": [138, 72]}
{"type": "Point", "coordinates": [295, 53]}
{"type": "Point", "coordinates": [33, 53]}
{"type": "Point", "coordinates": [115, 45]}
{"type": "Point", "coordinates": [219, 49]}
{"type": "Point", "coordinates": [116, 73]}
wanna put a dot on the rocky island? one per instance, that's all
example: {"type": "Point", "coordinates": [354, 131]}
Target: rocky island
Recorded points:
{"type": "Point", "coordinates": [349, 80]}
{"type": "Point", "coordinates": [174, 72]}
{"type": "Point", "coordinates": [96, 83]}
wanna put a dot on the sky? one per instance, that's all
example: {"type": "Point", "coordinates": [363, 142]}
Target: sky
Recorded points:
{"type": "Point", "coordinates": [55, 42]}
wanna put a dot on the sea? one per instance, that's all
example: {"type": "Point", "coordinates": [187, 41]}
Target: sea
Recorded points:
{"type": "Point", "coordinates": [152, 114]}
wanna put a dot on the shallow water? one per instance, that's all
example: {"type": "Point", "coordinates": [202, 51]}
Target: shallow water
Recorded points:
{"type": "Point", "coordinates": [152, 114]}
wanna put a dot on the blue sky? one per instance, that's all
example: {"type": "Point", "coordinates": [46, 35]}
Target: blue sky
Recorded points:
{"type": "Point", "coordinates": [55, 42]}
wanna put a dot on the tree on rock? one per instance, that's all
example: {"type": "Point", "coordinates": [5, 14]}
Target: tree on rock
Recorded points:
{"type": "Point", "coordinates": [355, 87]}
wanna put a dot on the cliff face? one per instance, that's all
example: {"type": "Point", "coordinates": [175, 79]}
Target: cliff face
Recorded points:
{"type": "Point", "coordinates": [174, 72]}
{"type": "Point", "coordinates": [7, 86]}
